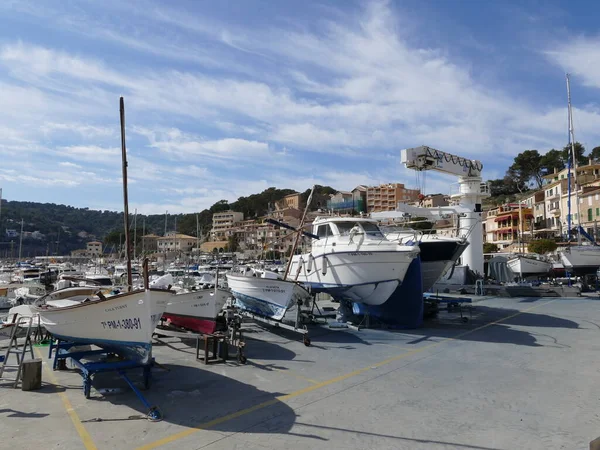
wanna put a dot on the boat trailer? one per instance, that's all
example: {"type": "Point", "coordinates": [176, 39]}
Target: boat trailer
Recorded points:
{"type": "Point", "coordinates": [97, 361]}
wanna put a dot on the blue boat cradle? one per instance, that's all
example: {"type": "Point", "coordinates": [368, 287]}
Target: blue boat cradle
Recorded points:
{"type": "Point", "coordinates": [404, 308]}
{"type": "Point", "coordinates": [90, 368]}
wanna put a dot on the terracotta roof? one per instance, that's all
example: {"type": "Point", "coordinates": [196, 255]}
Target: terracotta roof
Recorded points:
{"type": "Point", "coordinates": [177, 236]}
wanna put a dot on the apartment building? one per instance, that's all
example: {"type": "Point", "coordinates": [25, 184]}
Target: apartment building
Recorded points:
{"type": "Point", "coordinates": [94, 248]}
{"type": "Point", "coordinates": [501, 224]}
{"type": "Point", "coordinates": [223, 223]}
{"type": "Point", "coordinates": [386, 197]}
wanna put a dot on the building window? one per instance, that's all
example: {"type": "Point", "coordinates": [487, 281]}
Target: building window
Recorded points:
{"type": "Point", "coordinates": [590, 214]}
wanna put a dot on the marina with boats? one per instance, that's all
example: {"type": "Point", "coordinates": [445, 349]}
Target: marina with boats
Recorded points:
{"type": "Point", "coordinates": [382, 317]}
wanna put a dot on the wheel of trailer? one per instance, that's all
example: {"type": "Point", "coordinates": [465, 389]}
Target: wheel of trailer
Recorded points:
{"type": "Point", "coordinates": [464, 319]}
{"type": "Point", "coordinates": [306, 341]}
{"type": "Point", "coordinates": [87, 386]}
{"type": "Point", "coordinates": [154, 414]}
{"type": "Point", "coordinates": [242, 359]}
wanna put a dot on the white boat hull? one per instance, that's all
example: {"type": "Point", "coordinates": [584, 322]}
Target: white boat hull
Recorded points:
{"type": "Point", "coordinates": [196, 310]}
{"type": "Point", "coordinates": [528, 266]}
{"type": "Point", "coordinates": [368, 277]}
{"type": "Point", "coordinates": [123, 323]}
{"type": "Point", "coordinates": [265, 296]}
{"type": "Point", "coordinates": [583, 258]}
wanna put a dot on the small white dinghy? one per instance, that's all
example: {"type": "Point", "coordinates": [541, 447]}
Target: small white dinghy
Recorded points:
{"type": "Point", "coordinates": [121, 323]}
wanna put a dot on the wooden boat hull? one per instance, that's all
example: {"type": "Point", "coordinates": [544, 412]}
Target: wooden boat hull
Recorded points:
{"type": "Point", "coordinates": [122, 324]}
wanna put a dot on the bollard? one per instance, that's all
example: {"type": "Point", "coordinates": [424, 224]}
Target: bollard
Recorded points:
{"type": "Point", "coordinates": [31, 375]}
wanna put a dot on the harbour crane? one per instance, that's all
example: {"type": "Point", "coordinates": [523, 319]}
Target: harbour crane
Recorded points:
{"type": "Point", "coordinates": [472, 190]}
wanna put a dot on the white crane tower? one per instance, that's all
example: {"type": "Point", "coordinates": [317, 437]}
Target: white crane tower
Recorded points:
{"type": "Point", "coordinates": [471, 192]}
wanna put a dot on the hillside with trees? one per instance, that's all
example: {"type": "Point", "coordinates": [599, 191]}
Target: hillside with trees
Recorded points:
{"type": "Point", "coordinates": [63, 228]}
{"type": "Point", "coordinates": [529, 168]}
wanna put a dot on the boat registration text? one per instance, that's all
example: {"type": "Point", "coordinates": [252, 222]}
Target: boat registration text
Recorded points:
{"type": "Point", "coordinates": [123, 324]}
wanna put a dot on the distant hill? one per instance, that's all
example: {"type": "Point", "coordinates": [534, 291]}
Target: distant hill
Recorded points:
{"type": "Point", "coordinates": [65, 228]}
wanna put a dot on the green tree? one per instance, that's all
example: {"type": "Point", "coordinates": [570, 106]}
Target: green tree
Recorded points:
{"type": "Point", "coordinates": [579, 154]}
{"type": "Point", "coordinates": [233, 243]}
{"type": "Point", "coordinates": [489, 247]}
{"type": "Point", "coordinates": [527, 167]}
{"type": "Point", "coordinates": [553, 159]}
{"type": "Point", "coordinates": [542, 246]}
{"type": "Point", "coordinates": [595, 154]}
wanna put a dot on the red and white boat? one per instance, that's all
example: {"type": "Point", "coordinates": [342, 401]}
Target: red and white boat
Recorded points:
{"type": "Point", "coordinates": [196, 310]}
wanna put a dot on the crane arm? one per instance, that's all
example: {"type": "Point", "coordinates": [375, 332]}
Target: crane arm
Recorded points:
{"type": "Point", "coordinates": [427, 158]}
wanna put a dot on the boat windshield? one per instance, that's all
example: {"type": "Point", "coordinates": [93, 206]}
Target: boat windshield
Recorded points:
{"type": "Point", "coordinates": [368, 228]}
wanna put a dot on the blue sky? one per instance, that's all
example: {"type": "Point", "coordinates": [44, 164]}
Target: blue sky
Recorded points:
{"type": "Point", "coordinates": [225, 99]}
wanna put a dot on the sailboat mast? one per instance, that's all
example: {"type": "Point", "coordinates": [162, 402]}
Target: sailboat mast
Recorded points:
{"type": "Point", "coordinates": [21, 240]}
{"type": "Point", "coordinates": [125, 197]}
{"type": "Point", "coordinates": [573, 164]}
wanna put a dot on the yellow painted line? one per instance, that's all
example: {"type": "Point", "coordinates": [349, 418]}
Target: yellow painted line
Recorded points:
{"type": "Point", "coordinates": [297, 375]}
{"type": "Point", "coordinates": [314, 387]}
{"type": "Point", "coordinates": [287, 371]}
{"type": "Point", "coordinates": [83, 433]}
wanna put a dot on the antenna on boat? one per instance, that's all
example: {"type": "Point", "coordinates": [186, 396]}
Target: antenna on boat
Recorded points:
{"type": "Point", "coordinates": [300, 227]}
{"type": "Point", "coordinates": [125, 199]}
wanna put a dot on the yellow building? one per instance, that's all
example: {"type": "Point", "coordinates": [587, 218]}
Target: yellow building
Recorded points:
{"type": "Point", "coordinates": [290, 201]}
{"type": "Point", "coordinates": [501, 224]}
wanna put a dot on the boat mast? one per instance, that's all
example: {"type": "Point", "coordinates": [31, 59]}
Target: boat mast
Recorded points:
{"type": "Point", "coordinates": [134, 233]}
{"type": "Point", "coordinates": [197, 237]}
{"type": "Point", "coordinates": [21, 240]}
{"type": "Point", "coordinates": [520, 241]}
{"type": "Point", "coordinates": [299, 233]}
{"type": "Point", "coordinates": [125, 199]}
{"type": "Point", "coordinates": [573, 164]}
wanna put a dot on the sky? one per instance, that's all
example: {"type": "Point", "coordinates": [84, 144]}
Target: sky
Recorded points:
{"type": "Point", "coordinates": [225, 99]}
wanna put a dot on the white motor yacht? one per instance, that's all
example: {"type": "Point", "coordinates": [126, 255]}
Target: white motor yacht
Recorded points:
{"type": "Point", "coordinates": [352, 260]}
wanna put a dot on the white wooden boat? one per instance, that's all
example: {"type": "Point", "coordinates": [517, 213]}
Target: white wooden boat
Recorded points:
{"type": "Point", "coordinates": [122, 323]}
{"type": "Point", "coordinates": [352, 260]}
{"type": "Point", "coordinates": [265, 294]}
{"type": "Point", "coordinates": [528, 265]}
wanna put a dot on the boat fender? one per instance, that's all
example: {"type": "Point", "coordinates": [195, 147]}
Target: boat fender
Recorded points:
{"type": "Point", "coordinates": [324, 268]}
{"type": "Point", "coordinates": [310, 263]}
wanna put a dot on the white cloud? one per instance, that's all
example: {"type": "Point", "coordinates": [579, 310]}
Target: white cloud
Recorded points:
{"type": "Point", "coordinates": [93, 154]}
{"type": "Point", "coordinates": [580, 56]}
{"type": "Point", "coordinates": [69, 164]}
{"type": "Point", "coordinates": [357, 88]}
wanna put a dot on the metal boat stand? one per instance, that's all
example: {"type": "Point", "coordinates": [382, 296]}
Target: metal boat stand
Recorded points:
{"type": "Point", "coordinates": [453, 304]}
{"type": "Point", "coordinates": [298, 326]}
{"type": "Point", "coordinates": [216, 345]}
{"type": "Point", "coordinates": [90, 368]}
